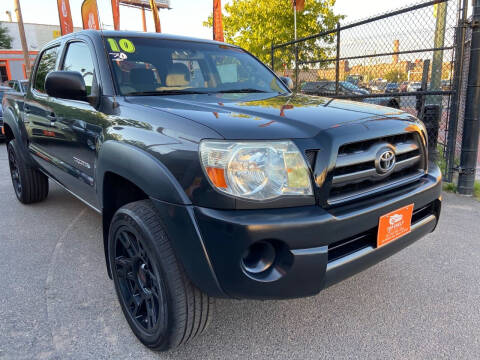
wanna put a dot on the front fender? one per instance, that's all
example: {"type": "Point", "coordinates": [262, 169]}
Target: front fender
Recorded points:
{"type": "Point", "coordinates": [155, 180]}
{"type": "Point", "coordinates": [140, 168]}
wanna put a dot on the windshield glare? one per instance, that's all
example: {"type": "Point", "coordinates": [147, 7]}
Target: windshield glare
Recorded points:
{"type": "Point", "coordinates": [148, 65]}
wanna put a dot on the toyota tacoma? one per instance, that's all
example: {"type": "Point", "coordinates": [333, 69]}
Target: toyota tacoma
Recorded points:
{"type": "Point", "coordinates": [213, 179]}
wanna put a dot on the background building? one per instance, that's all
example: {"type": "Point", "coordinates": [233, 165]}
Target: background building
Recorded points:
{"type": "Point", "coordinates": [12, 64]}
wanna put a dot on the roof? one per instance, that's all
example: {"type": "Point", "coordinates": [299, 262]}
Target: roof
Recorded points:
{"type": "Point", "coordinates": [114, 33]}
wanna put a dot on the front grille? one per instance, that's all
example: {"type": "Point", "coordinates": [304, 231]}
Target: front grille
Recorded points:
{"type": "Point", "coordinates": [368, 238]}
{"type": "Point", "coordinates": [358, 169]}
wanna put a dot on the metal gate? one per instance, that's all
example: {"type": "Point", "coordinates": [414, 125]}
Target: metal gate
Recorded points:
{"type": "Point", "coordinates": [411, 58]}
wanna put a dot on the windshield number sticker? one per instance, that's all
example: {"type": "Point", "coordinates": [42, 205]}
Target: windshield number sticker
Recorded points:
{"type": "Point", "coordinates": [123, 44]}
{"type": "Point", "coordinates": [119, 56]}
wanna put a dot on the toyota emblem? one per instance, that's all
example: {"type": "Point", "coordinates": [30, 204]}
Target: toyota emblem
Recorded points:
{"type": "Point", "coordinates": [385, 161]}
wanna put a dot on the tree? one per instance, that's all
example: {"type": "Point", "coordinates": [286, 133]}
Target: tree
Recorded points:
{"type": "Point", "coordinates": [5, 38]}
{"type": "Point", "coordinates": [395, 76]}
{"type": "Point", "coordinates": [256, 24]}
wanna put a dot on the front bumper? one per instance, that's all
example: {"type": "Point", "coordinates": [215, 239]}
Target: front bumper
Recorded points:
{"type": "Point", "coordinates": [307, 236]}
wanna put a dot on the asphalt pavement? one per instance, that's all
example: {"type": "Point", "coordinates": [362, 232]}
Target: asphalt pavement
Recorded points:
{"type": "Point", "coordinates": [57, 302]}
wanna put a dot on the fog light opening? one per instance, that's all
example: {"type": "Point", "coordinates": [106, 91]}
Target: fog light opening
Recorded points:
{"type": "Point", "coordinates": [259, 257]}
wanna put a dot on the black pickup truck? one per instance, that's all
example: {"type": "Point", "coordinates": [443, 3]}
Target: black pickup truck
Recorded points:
{"type": "Point", "coordinates": [212, 177]}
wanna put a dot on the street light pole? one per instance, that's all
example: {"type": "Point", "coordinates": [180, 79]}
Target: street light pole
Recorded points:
{"type": "Point", "coordinates": [23, 39]}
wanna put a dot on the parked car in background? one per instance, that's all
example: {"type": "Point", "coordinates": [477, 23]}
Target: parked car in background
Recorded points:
{"type": "Point", "coordinates": [327, 88]}
{"type": "Point", "coordinates": [446, 85]}
{"type": "Point", "coordinates": [355, 80]}
{"type": "Point", "coordinates": [354, 88]}
{"type": "Point", "coordinates": [392, 88]}
{"type": "Point", "coordinates": [18, 85]}
{"type": "Point", "coordinates": [378, 87]}
{"type": "Point", "coordinates": [3, 91]}
{"type": "Point", "coordinates": [414, 86]}
{"type": "Point", "coordinates": [403, 86]}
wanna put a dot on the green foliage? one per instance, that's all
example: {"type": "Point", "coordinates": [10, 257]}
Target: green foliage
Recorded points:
{"type": "Point", "coordinates": [476, 190]}
{"type": "Point", "coordinates": [395, 76]}
{"type": "Point", "coordinates": [5, 38]}
{"type": "Point", "coordinates": [450, 187]}
{"type": "Point", "coordinates": [255, 25]}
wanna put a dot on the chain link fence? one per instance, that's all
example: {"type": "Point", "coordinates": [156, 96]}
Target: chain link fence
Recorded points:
{"type": "Point", "coordinates": [402, 59]}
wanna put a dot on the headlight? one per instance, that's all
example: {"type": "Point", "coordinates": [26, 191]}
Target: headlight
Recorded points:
{"type": "Point", "coordinates": [256, 170]}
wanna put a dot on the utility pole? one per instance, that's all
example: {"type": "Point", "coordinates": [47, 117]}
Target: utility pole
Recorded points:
{"type": "Point", "coordinates": [471, 125]}
{"type": "Point", "coordinates": [23, 39]}
{"type": "Point", "coordinates": [144, 20]}
{"type": "Point", "coordinates": [156, 17]}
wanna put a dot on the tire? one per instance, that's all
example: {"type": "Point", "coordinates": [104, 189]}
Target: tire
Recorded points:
{"type": "Point", "coordinates": [30, 185]}
{"type": "Point", "coordinates": [163, 308]}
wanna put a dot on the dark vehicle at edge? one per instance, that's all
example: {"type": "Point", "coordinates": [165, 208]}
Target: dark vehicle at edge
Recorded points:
{"type": "Point", "coordinates": [346, 89]}
{"type": "Point", "coordinates": [212, 178]}
{"type": "Point", "coordinates": [18, 85]}
{"type": "Point", "coordinates": [3, 91]}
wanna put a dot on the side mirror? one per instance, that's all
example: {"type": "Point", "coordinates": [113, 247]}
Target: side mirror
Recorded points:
{"type": "Point", "coordinates": [287, 81]}
{"type": "Point", "coordinates": [66, 85]}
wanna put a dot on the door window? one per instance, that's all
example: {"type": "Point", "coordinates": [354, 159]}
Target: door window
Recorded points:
{"type": "Point", "coordinates": [47, 64]}
{"type": "Point", "coordinates": [78, 58]}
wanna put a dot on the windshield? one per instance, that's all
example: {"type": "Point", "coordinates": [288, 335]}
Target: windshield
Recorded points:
{"type": "Point", "coordinates": [148, 66]}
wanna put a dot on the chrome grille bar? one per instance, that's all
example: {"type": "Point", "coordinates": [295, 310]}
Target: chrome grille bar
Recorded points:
{"type": "Point", "coordinates": [358, 171]}
{"type": "Point", "coordinates": [346, 159]}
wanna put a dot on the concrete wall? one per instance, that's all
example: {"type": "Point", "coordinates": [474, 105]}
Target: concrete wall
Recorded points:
{"type": "Point", "coordinates": [37, 34]}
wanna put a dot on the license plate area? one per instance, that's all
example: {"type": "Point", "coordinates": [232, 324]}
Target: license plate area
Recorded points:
{"type": "Point", "coordinates": [394, 225]}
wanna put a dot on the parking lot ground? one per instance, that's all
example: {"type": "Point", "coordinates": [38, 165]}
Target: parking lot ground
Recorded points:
{"type": "Point", "coordinates": [56, 301]}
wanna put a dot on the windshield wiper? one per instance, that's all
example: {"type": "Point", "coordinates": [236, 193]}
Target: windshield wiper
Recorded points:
{"type": "Point", "coordinates": [246, 90]}
{"type": "Point", "coordinates": [165, 92]}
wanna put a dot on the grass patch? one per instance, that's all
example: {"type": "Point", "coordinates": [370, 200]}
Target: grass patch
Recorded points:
{"type": "Point", "coordinates": [442, 164]}
{"type": "Point", "coordinates": [451, 187]}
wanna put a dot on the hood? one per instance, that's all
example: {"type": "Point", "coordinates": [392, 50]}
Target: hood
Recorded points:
{"type": "Point", "coordinates": [263, 116]}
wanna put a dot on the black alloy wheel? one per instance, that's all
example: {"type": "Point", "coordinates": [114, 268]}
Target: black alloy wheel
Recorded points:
{"type": "Point", "coordinates": [29, 184]}
{"type": "Point", "coordinates": [139, 281]}
{"type": "Point", "coordinates": [163, 308]}
{"type": "Point", "coordinates": [14, 172]}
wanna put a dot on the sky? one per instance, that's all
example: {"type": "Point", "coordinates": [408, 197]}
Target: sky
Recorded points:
{"type": "Point", "coordinates": [185, 17]}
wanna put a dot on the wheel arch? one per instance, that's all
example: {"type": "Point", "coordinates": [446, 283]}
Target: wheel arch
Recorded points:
{"type": "Point", "coordinates": [124, 174]}
{"type": "Point", "coordinates": [125, 169]}
{"type": "Point", "coordinates": [140, 168]}
{"type": "Point", "coordinates": [13, 130]}
{"type": "Point", "coordinates": [9, 136]}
